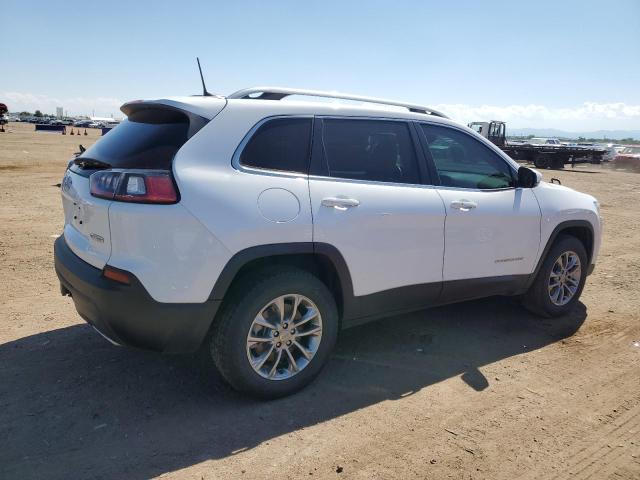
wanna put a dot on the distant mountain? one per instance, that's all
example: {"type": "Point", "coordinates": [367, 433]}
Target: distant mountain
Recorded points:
{"type": "Point", "coordinates": [552, 132]}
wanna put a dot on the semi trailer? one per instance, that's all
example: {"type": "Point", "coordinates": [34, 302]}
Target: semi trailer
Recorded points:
{"type": "Point", "coordinates": [542, 152]}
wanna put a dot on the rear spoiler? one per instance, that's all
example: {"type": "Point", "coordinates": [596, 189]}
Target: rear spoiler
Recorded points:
{"type": "Point", "coordinates": [163, 110]}
{"type": "Point", "coordinates": [205, 107]}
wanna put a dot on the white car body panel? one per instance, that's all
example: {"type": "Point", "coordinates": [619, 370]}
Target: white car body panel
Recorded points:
{"type": "Point", "coordinates": [225, 199]}
{"type": "Point", "coordinates": [561, 204]}
{"type": "Point", "coordinates": [499, 236]}
{"type": "Point", "coordinates": [86, 221]}
{"type": "Point", "coordinates": [172, 254]}
{"type": "Point", "coordinates": [393, 238]}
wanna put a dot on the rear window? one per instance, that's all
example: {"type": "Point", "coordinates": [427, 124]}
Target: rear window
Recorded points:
{"type": "Point", "coordinates": [148, 139]}
{"type": "Point", "coordinates": [280, 144]}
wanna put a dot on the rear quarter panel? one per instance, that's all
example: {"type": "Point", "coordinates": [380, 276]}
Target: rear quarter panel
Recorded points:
{"type": "Point", "coordinates": [239, 208]}
{"type": "Point", "coordinates": [174, 256]}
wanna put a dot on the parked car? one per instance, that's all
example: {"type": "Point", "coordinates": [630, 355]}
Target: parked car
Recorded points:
{"type": "Point", "coordinates": [628, 158]}
{"type": "Point", "coordinates": [610, 154]}
{"type": "Point", "coordinates": [619, 148]}
{"type": "Point", "coordinates": [544, 141]}
{"type": "Point", "coordinates": [253, 229]}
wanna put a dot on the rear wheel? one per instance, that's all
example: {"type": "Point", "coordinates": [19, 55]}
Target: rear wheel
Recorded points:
{"type": "Point", "coordinates": [541, 160]}
{"type": "Point", "coordinates": [561, 278]}
{"type": "Point", "coordinates": [275, 332]}
{"type": "Point", "coordinates": [557, 164]}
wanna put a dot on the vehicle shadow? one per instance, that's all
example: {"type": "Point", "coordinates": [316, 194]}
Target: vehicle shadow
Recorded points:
{"type": "Point", "coordinates": [570, 169]}
{"type": "Point", "coordinates": [74, 406]}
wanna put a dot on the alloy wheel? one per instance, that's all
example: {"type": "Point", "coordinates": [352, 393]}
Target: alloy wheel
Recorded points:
{"type": "Point", "coordinates": [284, 337]}
{"type": "Point", "coordinates": [564, 279]}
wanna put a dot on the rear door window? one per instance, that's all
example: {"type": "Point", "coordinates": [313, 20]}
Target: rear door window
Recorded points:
{"type": "Point", "coordinates": [463, 161]}
{"type": "Point", "coordinates": [374, 150]}
{"type": "Point", "coordinates": [279, 144]}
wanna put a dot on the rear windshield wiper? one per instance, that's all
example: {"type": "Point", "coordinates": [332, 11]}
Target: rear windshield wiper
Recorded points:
{"type": "Point", "coordinates": [90, 163]}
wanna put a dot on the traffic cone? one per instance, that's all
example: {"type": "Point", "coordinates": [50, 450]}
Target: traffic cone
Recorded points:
{"type": "Point", "coordinates": [72, 132]}
{"type": "Point", "coordinates": [85, 131]}
{"type": "Point", "coordinates": [64, 130]}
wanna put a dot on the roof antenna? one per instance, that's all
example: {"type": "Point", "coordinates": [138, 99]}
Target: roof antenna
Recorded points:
{"type": "Point", "coordinates": [204, 87]}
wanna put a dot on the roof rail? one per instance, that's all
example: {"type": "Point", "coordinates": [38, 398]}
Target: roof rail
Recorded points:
{"type": "Point", "coordinates": [278, 93]}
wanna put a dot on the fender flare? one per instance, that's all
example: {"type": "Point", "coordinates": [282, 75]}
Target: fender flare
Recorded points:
{"type": "Point", "coordinates": [314, 249]}
{"type": "Point", "coordinates": [562, 226]}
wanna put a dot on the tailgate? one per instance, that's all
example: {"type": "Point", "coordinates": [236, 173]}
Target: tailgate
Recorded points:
{"type": "Point", "coordinates": [86, 220]}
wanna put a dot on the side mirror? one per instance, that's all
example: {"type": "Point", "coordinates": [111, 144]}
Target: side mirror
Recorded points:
{"type": "Point", "coordinates": [528, 178]}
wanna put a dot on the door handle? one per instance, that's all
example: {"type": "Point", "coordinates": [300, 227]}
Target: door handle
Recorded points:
{"type": "Point", "coordinates": [340, 203]}
{"type": "Point", "coordinates": [463, 205]}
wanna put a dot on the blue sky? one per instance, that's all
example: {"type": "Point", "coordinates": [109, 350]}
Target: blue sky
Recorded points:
{"type": "Point", "coordinates": [564, 64]}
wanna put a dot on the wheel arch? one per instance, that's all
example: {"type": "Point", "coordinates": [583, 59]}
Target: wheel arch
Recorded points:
{"type": "Point", "coordinates": [580, 229]}
{"type": "Point", "coordinates": [320, 259]}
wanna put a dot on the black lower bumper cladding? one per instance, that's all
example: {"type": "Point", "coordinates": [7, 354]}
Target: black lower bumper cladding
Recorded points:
{"type": "Point", "coordinates": [127, 314]}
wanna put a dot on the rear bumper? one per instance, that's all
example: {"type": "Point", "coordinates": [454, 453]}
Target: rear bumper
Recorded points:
{"type": "Point", "coordinates": [127, 314]}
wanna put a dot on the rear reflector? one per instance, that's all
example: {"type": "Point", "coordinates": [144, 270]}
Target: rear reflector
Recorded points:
{"type": "Point", "coordinates": [116, 275]}
{"type": "Point", "coordinates": [139, 186]}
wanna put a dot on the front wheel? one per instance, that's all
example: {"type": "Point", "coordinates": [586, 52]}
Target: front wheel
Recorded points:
{"type": "Point", "coordinates": [560, 280]}
{"type": "Point", "coordinates": [275, 332]}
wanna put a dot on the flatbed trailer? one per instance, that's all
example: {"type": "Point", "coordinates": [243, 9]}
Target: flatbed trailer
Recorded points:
{"type": "Point", "coordinates": [544, 155]}
{"type": "Point", "coordinates": [552, 156]}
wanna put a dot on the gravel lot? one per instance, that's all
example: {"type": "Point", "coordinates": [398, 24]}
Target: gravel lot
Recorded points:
{"type": "Point", "coordinates": [477, 390]}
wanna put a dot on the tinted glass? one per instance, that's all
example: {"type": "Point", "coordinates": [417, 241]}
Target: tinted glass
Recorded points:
{"type": "Point", "coordinates": [280, 144]}
{"type": "Point", "coordinates": [462, 161]}
{"type": "Point", "coordinates": [147, 139]}
{"type": "Point", "coordinates": [370, 150]}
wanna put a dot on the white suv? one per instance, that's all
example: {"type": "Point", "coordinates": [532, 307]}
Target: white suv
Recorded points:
{"type": "Point", "coordinates": [255, 228]}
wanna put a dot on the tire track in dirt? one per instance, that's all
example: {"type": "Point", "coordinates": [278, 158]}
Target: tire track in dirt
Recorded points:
{"type": "Point", "coordinates": [604, 451]}
{"type": "Point", "coordinates": [600, 453]}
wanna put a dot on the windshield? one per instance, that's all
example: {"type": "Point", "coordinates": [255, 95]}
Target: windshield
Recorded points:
{"type": "Point", "coordinates": [631, 150]}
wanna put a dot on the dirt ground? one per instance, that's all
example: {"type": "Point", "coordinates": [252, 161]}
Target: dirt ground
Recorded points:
{"type": "Point", "coordinates": [477, 390]}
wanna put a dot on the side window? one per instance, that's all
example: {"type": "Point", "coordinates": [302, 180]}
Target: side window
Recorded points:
{"type": "Point", "coordinates": [374, 150]}
{"type": "Point", "coordinates": [462, 161]}
{"type": "Point", "coordinates": [496, 130]}
{"type": "Point", "coordinates": [279, 144]}
{"type": "Point", "coordinates": [476, 127]}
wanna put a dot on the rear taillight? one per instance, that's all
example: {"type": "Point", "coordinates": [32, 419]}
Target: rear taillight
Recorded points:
{"type": "Point", "coordinates": [139, 186]}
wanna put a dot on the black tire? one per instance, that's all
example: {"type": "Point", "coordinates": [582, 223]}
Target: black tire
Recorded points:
{"type": "Point", "coordinates": [557, 164]}
{"type": "Point", "coordinates": [541, 160]}
{"type": "Point", "coordinates": [226, 343]}
{"type": "Point", "coordinates": [537, 298]}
